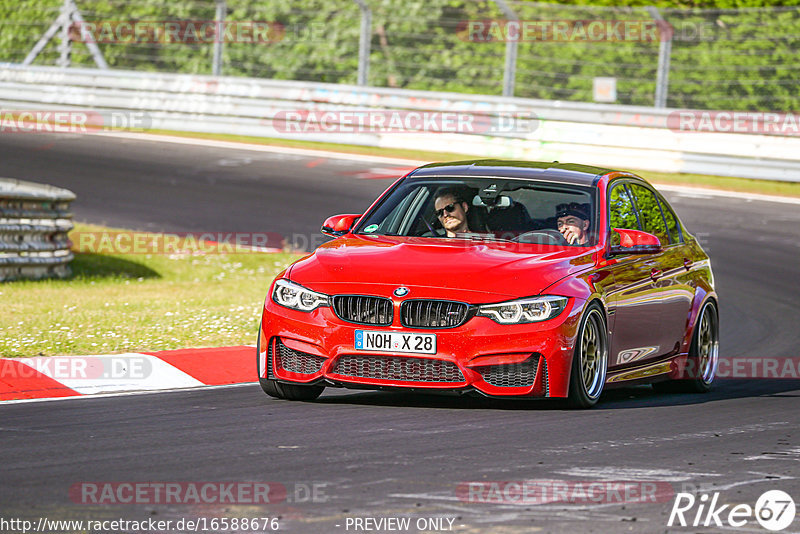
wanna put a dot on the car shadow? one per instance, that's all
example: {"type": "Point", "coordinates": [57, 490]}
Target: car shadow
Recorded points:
{"type": "Point", "coordinates": [89, 265]}
{"type": "Point", "coordinates": [615, 399]}
{"type": "Point", "coordinates": [723, 389]}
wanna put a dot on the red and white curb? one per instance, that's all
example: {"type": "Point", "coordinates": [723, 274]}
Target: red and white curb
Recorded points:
{"type": "Point", "coordinates": [38, 378]}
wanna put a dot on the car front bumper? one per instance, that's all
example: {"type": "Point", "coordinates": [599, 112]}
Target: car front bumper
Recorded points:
{"type": "Point", "coordinates": [317, 347]}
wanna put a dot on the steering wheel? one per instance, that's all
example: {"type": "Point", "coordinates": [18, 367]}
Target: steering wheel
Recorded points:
{"type": "Point", "coordinates": [546, 236]}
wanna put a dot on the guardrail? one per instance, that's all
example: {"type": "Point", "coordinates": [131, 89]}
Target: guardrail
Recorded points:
{"type": "Point", "coordinates": [34, 221]}
{"type": "Point", "coordinates": [626, 137]}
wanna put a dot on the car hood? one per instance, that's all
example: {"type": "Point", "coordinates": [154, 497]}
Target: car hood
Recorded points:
{"type": "Point", "coordinates": [474, 271]}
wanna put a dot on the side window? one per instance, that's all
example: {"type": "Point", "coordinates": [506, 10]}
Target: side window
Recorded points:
{"type": "Point", "coordinates": [672, 221]}
{"type": "Point", "coordinates": [621, 211]}
{"type": "Point", "coordinates": [391, 224]}
{"type": "Point", "coordinates": [650, 212]}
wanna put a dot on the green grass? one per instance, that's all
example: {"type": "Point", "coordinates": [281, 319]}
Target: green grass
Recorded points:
{"type": "Point", "coordinates": [131, 303]}
{"type": "Point", "coordinates": [766, 187]}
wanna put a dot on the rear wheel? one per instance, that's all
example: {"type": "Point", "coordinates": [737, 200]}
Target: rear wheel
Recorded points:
{"type": "Point", "coordinates": [273, 388]}
{"type": "Point", "coordinates": [590, 361]}
{"type": "Point", "coordinates": [703, 356]}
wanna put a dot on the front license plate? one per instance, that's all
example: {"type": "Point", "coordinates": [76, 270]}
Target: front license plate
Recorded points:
{"type": "Point", "coordinates": [396, 342]}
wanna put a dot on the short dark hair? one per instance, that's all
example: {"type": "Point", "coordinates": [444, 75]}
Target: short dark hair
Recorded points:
{"type": "Point", "coordinates": [573, 208]}
{"type": "Point", "coordinates": [450, 191]}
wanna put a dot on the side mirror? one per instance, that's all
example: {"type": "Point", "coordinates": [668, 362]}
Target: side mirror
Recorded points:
{"type": "Point", "coordinates": [339, 225]}
{"type": "Point", "coordinates": [635, 242]}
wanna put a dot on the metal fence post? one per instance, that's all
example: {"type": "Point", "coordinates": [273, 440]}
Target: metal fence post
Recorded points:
{"type": "Point", "coordinates": [219, 19]}
{"type": "Point", "coordinates": [364, 42]}
{"type": "Point", "coordinates": [664, 53]}
{"type": "Point", "coordinates": [510, 67]}
{"type": "Point", "coordinates": [69, 12]}
{"type": "Point", "coordinates": [65, 45]}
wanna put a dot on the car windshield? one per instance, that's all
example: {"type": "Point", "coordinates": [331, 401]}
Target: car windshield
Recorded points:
{"type": "Point", "coordinates": [487, 208]}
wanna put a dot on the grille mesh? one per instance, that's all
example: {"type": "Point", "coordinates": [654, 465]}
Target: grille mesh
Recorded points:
{"type": "Point", "coordinates": [269, 359]}
{"type": "Point", "coordinates": [295, 361]}
{"type": "Point", "coordinates": [511, 375]}
{"type": "Point", "coordinates": [363, 309]}
{"type": "Point", "coordinates": [398, 368]}
{"type": "Point", "coordinates": [432, 313]}
{"type": "Point", "coordinates": [546, 378]}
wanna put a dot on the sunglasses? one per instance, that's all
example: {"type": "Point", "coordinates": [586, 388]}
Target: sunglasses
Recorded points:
{"type": "Point", "coordinates": [450, 208]}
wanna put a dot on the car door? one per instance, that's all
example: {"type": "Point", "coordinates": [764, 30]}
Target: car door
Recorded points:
{"type": "Point", "coordinates": [634, 296]}
{"type": "Point", "coordinates": [673, 281]}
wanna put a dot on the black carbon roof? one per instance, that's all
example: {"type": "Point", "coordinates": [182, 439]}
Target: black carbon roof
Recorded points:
{"type": "Point", "coordinates": [534, 170]}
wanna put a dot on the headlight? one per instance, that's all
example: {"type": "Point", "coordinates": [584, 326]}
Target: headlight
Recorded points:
{"type": "Point", "coordinates": [297, 297]}
{"type": "Point", "coordinates": [529, 310]}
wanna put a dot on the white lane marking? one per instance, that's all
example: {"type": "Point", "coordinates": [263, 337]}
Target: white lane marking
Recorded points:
{"type": "Point", "coordinates": [234, 162]}
{"type": "Point", "coordinates": [652, 440]}
{"type": "Point", "coordinates": [702, 192]}
{"type": "Point", "coordinates": [121, 372]}
{"type": "Point", "coordinates": [624, 473]}
{"type": "Point", "coordinates": [763, 477]}
{"type": "Point", "coordinates": [126, 393]}
{"type": "Point", "coordinates": [786, 454]}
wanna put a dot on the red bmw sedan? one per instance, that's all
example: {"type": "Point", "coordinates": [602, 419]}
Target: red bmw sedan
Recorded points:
{"type": "Point", "coordinates": [509, 279]}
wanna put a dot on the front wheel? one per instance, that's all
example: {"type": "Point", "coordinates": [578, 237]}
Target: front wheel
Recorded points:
{"type": "Point", "coordinates": [590, 360]}
{"type": "Point", "coordinates": [275, 389]}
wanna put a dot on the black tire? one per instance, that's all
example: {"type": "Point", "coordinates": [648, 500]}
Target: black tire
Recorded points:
{"type": "Point", "coordinates": [275, 389]}
{"type": "Point", "coordinates": [589, 360]}
{"type": "Point", "coordinates": [703, 355]}
{"type": "Point", "coordinates": [270, 387]}
{"type": "Point", "coordinates": [298, 392]}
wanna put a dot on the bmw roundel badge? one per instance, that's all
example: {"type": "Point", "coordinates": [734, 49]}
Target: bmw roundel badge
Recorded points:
{"type": "Point", "coordinates": [401, 291]}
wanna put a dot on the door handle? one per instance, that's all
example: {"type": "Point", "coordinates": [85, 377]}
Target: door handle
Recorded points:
{"type": "Point", "coordinates": [655, 274]}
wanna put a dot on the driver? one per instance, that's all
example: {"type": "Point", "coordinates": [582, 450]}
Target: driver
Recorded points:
{"type": "Point", "coordinates": [573, 222]}
{"type": "Point", "coordinates": [451, 210]}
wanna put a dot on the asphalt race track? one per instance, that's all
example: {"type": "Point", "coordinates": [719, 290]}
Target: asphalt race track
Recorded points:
{"type": "Point", "coordinates": [379, 455]}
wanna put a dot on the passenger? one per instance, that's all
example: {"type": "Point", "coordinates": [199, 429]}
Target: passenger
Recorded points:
{"type": "Point", "coordinates": [573, 222]}
{"type": "Point", "coordinates": [451, 209]}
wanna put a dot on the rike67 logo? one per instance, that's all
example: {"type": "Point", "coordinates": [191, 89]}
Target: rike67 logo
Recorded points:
{"type": "Point", "coordinates": [774, 510]}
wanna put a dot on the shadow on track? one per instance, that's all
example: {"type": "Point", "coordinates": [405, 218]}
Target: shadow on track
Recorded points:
{"type": "Point", "coordinates": [615, 399]}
